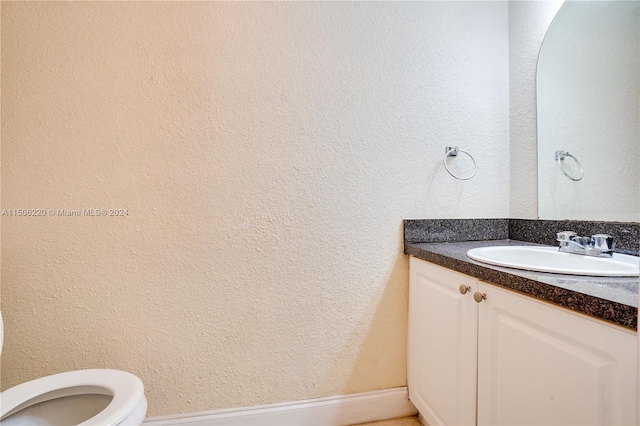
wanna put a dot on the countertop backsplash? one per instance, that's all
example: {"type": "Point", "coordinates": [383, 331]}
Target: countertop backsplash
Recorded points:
{"type": "Point", "coordinates": [625, 234]}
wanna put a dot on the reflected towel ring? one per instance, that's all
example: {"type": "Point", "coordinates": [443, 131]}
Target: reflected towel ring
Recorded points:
{"type": "Point", "coordinates": [452, 151]}
{"type": "Point", "coordinates": [560, 156]}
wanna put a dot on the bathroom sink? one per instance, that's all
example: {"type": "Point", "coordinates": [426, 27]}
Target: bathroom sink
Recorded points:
{"type": "Point", "coordinates": [549, 259]}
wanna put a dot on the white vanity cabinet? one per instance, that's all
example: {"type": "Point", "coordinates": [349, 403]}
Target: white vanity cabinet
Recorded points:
{"type": "Point", "coordinates": [510, 359]}
{"type": "Point", "coordinates": [442, 344]}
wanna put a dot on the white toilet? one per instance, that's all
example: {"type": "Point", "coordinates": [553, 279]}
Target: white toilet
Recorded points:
{"type": "Point", "coordinates": [83, 397]}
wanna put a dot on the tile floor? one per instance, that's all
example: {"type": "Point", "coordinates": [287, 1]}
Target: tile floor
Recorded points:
{"type": "Point", "coordinates": [402, 421]}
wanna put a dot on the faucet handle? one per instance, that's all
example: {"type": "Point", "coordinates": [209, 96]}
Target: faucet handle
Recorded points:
{"type": "Point", "coordinates": [603, 242]}
{"type": "Point", "coordinates": [565, 235]}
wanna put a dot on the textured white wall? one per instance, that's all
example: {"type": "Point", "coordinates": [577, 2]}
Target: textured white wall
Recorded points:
{"type": "Point", "coordinates": [588, 82]}
{"type": "Point", "coordinates": [267, 154]}
{"type": "Point", "coordinates": [528, 24]}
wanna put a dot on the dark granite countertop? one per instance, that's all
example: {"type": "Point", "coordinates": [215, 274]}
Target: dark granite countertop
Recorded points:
{"type": "Point", "coordinates": [612, 299]}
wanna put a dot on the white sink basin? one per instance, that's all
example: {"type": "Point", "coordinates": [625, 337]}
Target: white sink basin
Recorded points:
{"type": "Point", "coordinates": [549, 259]}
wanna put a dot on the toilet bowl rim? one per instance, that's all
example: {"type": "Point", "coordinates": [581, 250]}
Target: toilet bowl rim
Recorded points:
{"type": "Point", "coordinates": [126, 389]}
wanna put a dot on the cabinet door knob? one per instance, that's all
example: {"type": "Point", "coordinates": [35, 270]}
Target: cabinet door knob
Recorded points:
{"type": "Point", "coordinates": [464, 288]}
{"type": "Point", "coordinates": [479, 297]}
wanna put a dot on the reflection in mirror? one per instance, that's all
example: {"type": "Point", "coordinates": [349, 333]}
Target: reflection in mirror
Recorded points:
{"type": "Point", "coordinates": [588, 106]}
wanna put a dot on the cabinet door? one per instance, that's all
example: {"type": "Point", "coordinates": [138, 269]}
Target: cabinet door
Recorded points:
{"type": "Point", "coordinates": [539, 364]}
{"type": "Point", "coordinates": [442, 344]}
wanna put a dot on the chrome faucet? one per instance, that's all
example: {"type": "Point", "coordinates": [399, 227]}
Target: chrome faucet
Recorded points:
{"type": "Point", "coordinates": [599, 245]}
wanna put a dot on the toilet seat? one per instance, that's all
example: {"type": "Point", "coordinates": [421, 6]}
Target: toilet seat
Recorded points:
{"type": "Point", "coordinates": [126, 389]}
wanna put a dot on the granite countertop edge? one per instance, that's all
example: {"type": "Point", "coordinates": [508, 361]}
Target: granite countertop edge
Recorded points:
{"type": "Point", "coordinates": [453, 256]}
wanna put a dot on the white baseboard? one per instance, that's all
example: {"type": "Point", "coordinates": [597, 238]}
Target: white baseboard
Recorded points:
{"type": "Point", "coordinates": [329, 411]}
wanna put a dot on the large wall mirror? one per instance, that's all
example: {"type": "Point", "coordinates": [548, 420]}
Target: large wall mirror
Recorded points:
{"type": "Point", "coordinates": [588, 113]}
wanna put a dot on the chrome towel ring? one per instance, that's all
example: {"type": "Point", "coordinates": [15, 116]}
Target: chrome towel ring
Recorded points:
{"type": "Point", "coordinates": [560, 156]}
{"type": "Point", "coordinates": [452, 151]}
